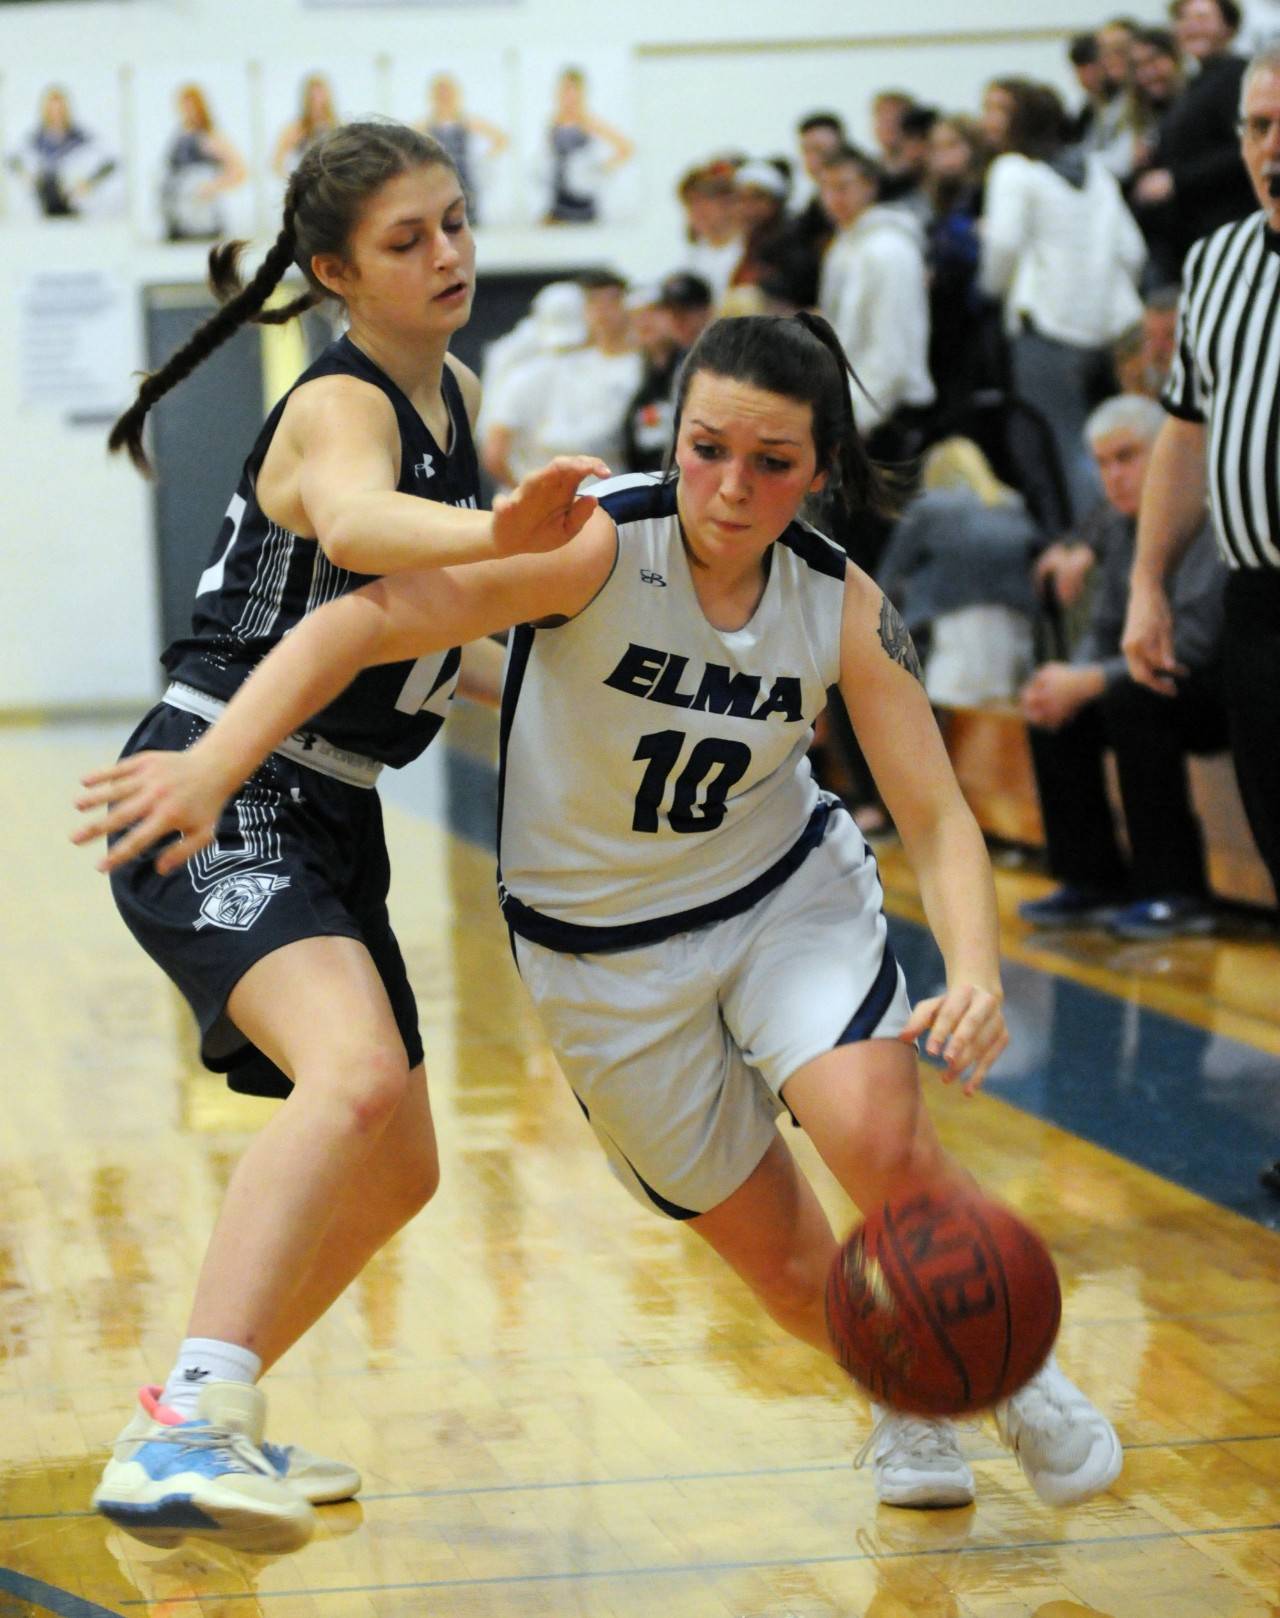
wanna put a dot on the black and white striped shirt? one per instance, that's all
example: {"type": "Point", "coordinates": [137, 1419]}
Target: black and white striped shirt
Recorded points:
{"type": "Point", "coordinates": [1226, 374]}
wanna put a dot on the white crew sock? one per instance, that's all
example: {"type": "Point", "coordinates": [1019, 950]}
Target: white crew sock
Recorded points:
{"type": "Point", "coordinates": [202, 1360]}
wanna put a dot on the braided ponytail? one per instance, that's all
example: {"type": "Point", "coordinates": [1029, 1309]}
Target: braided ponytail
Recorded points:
{"type": "Point", "coordinates": [239, 304]}
{"type": "Point", "coordinates": [338, 173]}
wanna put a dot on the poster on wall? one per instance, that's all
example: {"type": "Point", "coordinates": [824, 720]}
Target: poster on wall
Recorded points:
{"type": "Point", "coordinates": [463, 99]}
{"type": "Point", "coordinates": [64, 145]}
{"type": "Point", "coordinates": [300, 100]}
{"type": "Point", "coordinates": [579, 161]}
{"type": "Point", "coordinates": [192, 129]}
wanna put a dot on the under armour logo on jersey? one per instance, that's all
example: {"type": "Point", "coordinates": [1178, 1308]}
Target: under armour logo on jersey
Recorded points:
{"type": "Point", "coordinates": [648, 576]}
{"type": "Point", "coordinates": [425, 466]}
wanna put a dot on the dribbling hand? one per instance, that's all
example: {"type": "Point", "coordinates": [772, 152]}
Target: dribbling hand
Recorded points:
{"type": "Point", "coordinates": [151, 796]}
{"type": "Point", "coordinates": [966, 1028]}
{"type": "Point", "coordinates": [545, 510]}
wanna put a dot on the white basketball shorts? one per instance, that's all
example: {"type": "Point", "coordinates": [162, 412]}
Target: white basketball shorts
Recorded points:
{"type": "Point", "coordinates": [679, 1052]}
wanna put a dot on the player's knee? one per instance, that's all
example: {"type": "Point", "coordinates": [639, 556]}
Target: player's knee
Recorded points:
{"type": "Point", "coordinates": [792, 1286]}
{"type": "Point", "coordinates": [372, 1085]}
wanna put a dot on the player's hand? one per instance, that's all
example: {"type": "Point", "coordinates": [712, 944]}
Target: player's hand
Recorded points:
{"type": "Point", "coordinates": [151, 796]}
{"type": "Point", "coordinates": [545, 510]}
{"type": "Point", "coordinates": [966, 1028]}
{"type": "Point", "coordinates": [1147, 642]}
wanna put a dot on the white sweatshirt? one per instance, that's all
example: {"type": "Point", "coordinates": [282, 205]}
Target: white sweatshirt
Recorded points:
{"type": "Point", "coordinates": [873, 292]}
{"type": "Point", "coordinates": [1065, 256]}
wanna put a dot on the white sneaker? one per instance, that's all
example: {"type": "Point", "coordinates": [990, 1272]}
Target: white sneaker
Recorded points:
{"type": "Point", "coordinates": [1067, 1449]}
{"type": "Point", "coordinates": [315, 1477]}
{"type": "Point", "coordinates": [168, 1478]}
{"type": "Point", "coordinates": [916, 1461]}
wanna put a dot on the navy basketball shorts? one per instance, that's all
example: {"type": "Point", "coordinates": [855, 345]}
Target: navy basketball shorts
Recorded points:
{"type": "Point", "coordinates": [298, 855]}
{"type": "Point", "coordinates": [679, 1052]}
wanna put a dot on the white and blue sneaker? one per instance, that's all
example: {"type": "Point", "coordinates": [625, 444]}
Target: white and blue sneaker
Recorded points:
{"type": "Point", "coordinates": [314, 1477]}
{"type": "Point", "coordinates": [169, 1478]}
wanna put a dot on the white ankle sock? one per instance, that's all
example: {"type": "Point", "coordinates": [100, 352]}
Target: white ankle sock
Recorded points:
{"type": "Point", "coordinates": [202, 1360]}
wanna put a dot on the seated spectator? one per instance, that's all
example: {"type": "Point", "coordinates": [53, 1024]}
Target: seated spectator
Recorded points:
{"type": "Point", "coordinates": [667, 320]}
{"type": "Point", "coordinates": [572, 401]}
{"type": "Point", "coordinates": [873, 292]}
{"type": "Point", "coordinates": [1078, 709]}
{"type": "Point", "coordinates": [1062, 251]}
{"type": "Point", "coordinates": [956, 567]}
{"type": "Point", "coordinates": [506, 432]}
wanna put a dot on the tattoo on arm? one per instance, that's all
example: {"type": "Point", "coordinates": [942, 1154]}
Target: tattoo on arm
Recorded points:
{"type": "Point", "coordinates": [896, 640]}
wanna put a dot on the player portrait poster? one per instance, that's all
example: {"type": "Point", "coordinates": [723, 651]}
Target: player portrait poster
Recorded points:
{"type": "Point", "coordinates": [64, 144]}
{"type": "Point", "coordinates": [577, 143]}
{"type": "Point", "coordinates": [464, 99]}
{"type": "Point", "coordinates": [301, 98]}
{"type": "Point", "coordinates": [193, 141]}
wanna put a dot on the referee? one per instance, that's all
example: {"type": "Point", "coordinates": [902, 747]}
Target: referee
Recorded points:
{"type": "Point", "coordinates": [1222, 438]}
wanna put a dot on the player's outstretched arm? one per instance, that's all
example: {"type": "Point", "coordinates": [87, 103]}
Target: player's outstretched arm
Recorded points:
{"type": "Point", "coordinates": [148, 797]}
{"type": "Point", "coordinates": [880, 681]}
{"type": "Point", "coordinates": [348, 467]}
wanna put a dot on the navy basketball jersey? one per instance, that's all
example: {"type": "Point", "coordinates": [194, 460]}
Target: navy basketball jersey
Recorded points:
{"type": "Point", "coordinates": [262, 580]}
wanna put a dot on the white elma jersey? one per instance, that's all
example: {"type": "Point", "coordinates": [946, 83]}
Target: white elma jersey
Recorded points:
{"type": "Point", "coordinates": [654, 769]}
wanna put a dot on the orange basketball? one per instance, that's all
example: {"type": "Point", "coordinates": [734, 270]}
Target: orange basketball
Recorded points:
{"type": "Point", "coordinates": [942, 1302]}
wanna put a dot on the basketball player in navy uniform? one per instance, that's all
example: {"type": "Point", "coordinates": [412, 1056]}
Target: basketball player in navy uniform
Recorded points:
{"type": "Point", "coordinates": [701, 927]}
{"type": "Point", "coordinates": [277, 931]}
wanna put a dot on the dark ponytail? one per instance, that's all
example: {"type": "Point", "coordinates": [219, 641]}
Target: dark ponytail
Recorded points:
{"type": "Point", "coordinates": [800, 357]}
{"type": "Point", "coordinates": [327, 191]}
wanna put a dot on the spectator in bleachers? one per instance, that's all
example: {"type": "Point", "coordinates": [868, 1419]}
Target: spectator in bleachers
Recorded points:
{"type": "Point", "coordinates": [907, 186]}
{"type": "Point", "coordinates": [957, 569]}
{"type": "Point", "coordinates": [1111, 134]}
{"type": "Point", "coordinates": [713, 234]}
{"type": "Point", "coordinates": [569, 396]}
{"type": "Point", "coordinates": [964, 339]}
{"type": "Point", "coordinates": [887, 108]}
{"type": "Point", "coordinates": [1157, 83]}
{"type": "Point", "coordinates": [998, 107]}
{"type": "Point", "coordinates": [1196, 179]}
{"type": "Point", "coordinates": [667, 320]}
{"type": "Point", "coordinates": [873, 293]}
{"type": "Point", "coordinates": [772, 255]}
{"type": "Point", "coordinates": [1061, 250]}
{"type": "Point", "coordinates": [819, 134]}
{"type": "Point", "coordinates": [1086, 65]}
{"type": "Point", "coordinates": [1079, 709]}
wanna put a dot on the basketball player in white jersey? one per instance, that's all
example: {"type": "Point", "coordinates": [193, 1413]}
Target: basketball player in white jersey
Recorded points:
{"type": "Point", "coordinates": [278, 933]}
{"type": "Point", "coordinates": [702, 928]}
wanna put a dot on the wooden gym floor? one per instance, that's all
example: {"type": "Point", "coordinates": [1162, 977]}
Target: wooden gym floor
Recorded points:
{"type": "Point", "coordinates": [562, 1406]}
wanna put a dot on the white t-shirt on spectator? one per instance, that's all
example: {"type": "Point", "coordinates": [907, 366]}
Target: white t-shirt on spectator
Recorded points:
{"type": "Point", "coordinates": [570, 403]}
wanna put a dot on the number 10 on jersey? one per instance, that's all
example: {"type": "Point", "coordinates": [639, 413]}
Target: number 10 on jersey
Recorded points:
{"type": "Point", "coordinates": [714, 766]}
